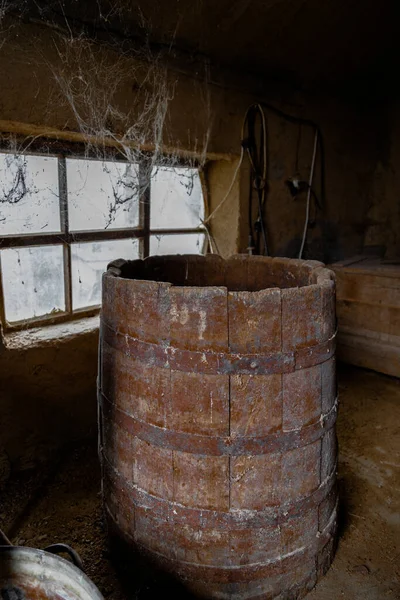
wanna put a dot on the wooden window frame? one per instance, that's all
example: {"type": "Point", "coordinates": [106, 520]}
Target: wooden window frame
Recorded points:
{"type": "Point", "coordinates": [66, 238]}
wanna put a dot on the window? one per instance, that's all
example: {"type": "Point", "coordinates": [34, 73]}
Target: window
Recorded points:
{"type": "Point", "coordinates": [63, 219]}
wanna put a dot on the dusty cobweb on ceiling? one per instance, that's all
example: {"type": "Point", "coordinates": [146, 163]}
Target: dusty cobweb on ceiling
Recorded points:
{"type": "Point", "coordinates": [94, 80]}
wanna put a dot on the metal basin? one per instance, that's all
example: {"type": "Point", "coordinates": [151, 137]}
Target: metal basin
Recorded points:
{"type": "Point", "coordinates": [31, 574]}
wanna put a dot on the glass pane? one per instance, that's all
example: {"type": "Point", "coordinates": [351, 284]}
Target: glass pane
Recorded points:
{"type": "Point", "coordinates": [176, 198]}
{"type": "Point", "coordinates": [33, 281]}
{"type": "Point", "coordinates": [102, 195]}
{"type": "Point", "coordinates": [89, 261]}
{"type": "Point", "coordinates": [190, 243]}
{"type": "Point", "coordinates": [29, 199]}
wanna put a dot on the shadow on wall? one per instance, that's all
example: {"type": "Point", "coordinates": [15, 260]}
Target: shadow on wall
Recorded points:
{"type": "Point", "coordinates": [324, 242]}
{"type": "Point", "coordinates": [47, 397]}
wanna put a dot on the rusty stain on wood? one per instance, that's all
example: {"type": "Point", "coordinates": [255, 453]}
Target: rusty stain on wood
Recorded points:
{"type": "Point", "coordinates": [217, 403]}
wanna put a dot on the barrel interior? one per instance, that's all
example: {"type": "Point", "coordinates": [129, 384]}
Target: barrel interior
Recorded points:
{"type": "Point", "coordinates": [241, 273]}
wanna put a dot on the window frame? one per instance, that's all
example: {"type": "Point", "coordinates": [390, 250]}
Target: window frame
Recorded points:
{"type": "Point", "coordinates": [66, 238]}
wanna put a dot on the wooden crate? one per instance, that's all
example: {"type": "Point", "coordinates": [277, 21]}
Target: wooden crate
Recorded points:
{"type": "Point", "coordinates": [368, 312]}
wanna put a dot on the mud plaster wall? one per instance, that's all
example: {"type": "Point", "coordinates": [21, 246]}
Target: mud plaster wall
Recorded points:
{"type": "Point", "coordinates": [198, 111]}
{"type": "Point", "coordinates": [47, 392]}
{"type": "Point", "coordinates": [383, 215]}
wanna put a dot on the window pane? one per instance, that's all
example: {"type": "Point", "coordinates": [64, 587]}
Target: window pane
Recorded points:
{"type": "Point", "coordinates": [176, 198]}
{"type": "Point", "coordinates": [33, 281]}
{"type": "Point", "coordinates": [190, 243]}
{"type": "Point", "coordinates": [89, 261]}
{"type": "Point", "coordinates": [102, 195]}
{"type": "Point", "coordinates": [29, 199]}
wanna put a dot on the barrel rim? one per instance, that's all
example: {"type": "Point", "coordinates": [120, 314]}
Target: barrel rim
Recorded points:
{"type": "Point", "coordinates": [319, 275]}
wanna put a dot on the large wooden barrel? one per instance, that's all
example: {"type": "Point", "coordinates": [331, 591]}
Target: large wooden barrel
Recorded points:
{"type": "Point", "coordinates": [217, 400]}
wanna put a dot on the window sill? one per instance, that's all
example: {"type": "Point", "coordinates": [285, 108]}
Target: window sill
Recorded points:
{"type": "Point", "coordinates": [48, 335]}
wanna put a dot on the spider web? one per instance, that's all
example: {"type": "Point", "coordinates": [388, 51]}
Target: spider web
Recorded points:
{"type": "Point", "coordinates": [93, 78]}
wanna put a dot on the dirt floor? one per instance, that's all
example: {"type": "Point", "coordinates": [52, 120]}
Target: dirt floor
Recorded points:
{"type": "Point", "coordinates": [63, 504]}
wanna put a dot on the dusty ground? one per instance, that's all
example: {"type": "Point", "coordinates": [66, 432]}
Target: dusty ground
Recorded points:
{"type": "Point", "coordinates": [63, 504]}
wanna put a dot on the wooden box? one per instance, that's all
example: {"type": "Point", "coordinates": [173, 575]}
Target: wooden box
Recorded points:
{"type": "Point", "coordinates": [368, 312]}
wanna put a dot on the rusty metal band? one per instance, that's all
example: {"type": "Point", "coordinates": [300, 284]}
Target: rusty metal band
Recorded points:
{"type": "Point", "coordinates": [240, 573]}
{"type": "Point", "coordinates": [218, 363]}
{"type": "Point", "coordinates": [218, 446]}
{"type": "Point", "coordinates": [131, 495]}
